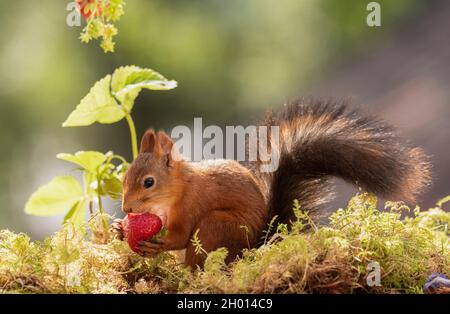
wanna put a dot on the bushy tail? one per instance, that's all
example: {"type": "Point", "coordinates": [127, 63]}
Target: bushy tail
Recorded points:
{"type": "Point", "coordinates": [319, 140]}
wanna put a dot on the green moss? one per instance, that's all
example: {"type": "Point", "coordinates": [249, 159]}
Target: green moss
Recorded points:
{"type": "Point", "coordinates": [331, 259]}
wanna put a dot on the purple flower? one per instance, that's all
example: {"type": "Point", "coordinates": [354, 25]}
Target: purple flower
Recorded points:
{"type": "Point", "coordinates": [436, 281]}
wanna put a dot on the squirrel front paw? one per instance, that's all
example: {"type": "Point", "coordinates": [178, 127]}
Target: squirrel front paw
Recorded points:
{"type": "Point", "coordinates": [152, 248]}
{"type": "Point", "coordinates": [117, 229]}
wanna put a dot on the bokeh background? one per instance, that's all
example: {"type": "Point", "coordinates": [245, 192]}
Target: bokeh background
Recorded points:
{"type": "Point", "coordinates": [233, 59]}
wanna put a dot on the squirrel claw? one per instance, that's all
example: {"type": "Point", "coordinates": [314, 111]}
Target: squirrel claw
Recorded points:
{"type": "Point", "coordinates": [117, 229]}
{"type": "Point", "coordinates": [151, 249]}
{"type": "Point", "coordinates": [156, 241]}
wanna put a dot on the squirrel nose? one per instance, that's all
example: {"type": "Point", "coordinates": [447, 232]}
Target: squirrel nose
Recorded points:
{"type": "Point", "coordinates": [127, 210]}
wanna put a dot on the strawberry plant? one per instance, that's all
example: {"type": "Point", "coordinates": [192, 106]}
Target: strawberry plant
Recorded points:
{"type": "Point", "coordinates": [110, 100]}
{"type": "Point", "coordinates": [100, 16]}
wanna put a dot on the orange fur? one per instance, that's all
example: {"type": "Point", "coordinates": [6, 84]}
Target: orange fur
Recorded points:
{"type": "Point", "coordinates": [230, 205]}
{"type": "Point", "coordinates": [216, 197]}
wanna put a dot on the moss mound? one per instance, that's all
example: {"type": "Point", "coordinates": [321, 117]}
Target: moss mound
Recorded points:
{"type": "Point", "coordinates": [341, 257]}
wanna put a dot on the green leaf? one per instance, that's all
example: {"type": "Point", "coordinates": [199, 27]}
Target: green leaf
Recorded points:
{"type": "Point", "coordinates": [97, 106]}
{"type": "Point", "coordinates": [77, 214]}
{"type": "Point", "coordinates": [88, 179]}
{"type": "Point", "coordinates": [54, 198]}
{"type": "Point", "coordinates": [161, 234]}
{"type": "Point", "coordinates": [113, 187]}
{"type": "Point", "coordinates": [88, 160]}
{"type": "Point", "coordinates": [128, 81]}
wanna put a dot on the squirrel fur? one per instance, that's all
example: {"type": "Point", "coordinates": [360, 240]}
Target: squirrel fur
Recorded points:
{"type": "Point", "coordinates": [230, 204]}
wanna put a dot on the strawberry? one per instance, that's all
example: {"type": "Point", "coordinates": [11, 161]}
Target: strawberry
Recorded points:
{"type": "Point", "coordinates": [140, 227]}
{"type": "Point", "coordinates": [86, 6]}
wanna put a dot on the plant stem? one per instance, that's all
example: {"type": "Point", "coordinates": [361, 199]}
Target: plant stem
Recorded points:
{"type": "Point", "coordinates": [91, 209]}
{"type": "Point", "coordinates": [134, 145]}
{"type": "Point", "coordinates": [120, 158]}
{"type": "Point", "coordinates": [100, 205]}
{"type": "Point", "coordinates": [100, 208]}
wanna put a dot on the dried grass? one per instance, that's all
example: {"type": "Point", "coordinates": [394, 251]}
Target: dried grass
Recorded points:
{"type": "Point", "coordinates": [301, 258]}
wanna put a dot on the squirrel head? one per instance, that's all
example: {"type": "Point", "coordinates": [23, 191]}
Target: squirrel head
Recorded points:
{"type": "Point", "coordinates": [153, 182]}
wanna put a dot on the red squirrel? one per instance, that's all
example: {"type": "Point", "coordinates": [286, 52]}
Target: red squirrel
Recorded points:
{"type": "Point", "coordinates": [318, 140]}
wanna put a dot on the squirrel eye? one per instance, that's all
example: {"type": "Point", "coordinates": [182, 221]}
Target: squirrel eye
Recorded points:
{"type": "Point", "coordinates": [149, 182]}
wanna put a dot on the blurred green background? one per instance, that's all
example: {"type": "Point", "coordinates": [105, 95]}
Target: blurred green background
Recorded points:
{"type": "Point", "coordinates": [232, 59]}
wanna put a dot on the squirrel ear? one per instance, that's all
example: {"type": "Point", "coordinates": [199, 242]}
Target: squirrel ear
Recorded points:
{"type": "Point", "coordinates": [165, 143]}
{"type": "Point", "coordinates": [148, 142]}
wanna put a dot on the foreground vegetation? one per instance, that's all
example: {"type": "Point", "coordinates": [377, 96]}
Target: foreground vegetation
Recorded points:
{"type": "Point", "coordinates": [301, 258]}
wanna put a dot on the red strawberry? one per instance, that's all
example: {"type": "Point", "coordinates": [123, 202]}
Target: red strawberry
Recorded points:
{"type": "Point", "coordinates": [85, 10]}
{"type": "Point", "coordinates": [140, 227]}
